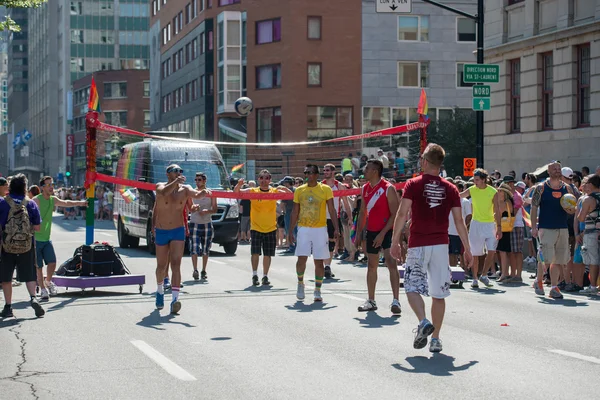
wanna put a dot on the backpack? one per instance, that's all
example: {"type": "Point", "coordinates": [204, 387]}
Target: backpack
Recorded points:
{"type": "Point", "coordinates": [17, 237]}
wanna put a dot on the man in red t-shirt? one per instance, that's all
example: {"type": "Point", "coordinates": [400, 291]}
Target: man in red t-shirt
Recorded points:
{"type": "Point", "coordinates": [430, 199]}
{"type": "Point", "coordinates": [380, 204]}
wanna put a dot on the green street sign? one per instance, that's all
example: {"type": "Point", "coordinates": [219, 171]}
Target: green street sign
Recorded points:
{"type": "Point", "coordinates": [481, 91]}
{"type": "Point", "coordinates": [481, 104]}
{"type": "Point", "coordinates": [481, 73]}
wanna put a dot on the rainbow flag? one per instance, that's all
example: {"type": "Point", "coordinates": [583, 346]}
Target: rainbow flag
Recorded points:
{"type": "Point", "coordinates": [128, 196]}
{"type": "Point", "coordinates": [94, 101]}
{"type": "Point", "coordinates": [237, 168]}
{"type": "Point", "coordinates": [423, 107]}
{"type": "Point", "coordinates": [353, 229]}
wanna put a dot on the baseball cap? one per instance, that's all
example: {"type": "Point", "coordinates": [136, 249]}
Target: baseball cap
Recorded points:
{"type": "Point", "coordinates": [567, 172]}
{"type": "Point", "coordinates": [3, 181]}
{"type": "Point", "coordinates": [287, 179]}
{"type": "Point", "coordinates": [380, 151]}
{"type": "Point", "coordinates": [508, 179]}
{"type": "Point", "coordinates": [521, 185]}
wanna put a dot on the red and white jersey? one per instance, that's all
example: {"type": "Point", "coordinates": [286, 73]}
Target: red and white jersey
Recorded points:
{"type": "Point", "coordinates": [336, 200]}
{"type": "Point", "coordinates": [378, 209]}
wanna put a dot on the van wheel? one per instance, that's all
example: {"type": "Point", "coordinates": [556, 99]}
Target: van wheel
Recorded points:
{"type": "Point", "coordinates": [126, 240]}
{"type": "Point", "coordinates": [150, 240]}
{"type": "Point", "coordinates": [230, 248]}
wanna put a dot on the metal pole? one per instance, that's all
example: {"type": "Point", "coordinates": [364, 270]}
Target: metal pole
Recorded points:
{"type": "Point", "coordinates": [479, 114]}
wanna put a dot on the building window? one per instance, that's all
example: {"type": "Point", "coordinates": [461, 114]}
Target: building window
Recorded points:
{"type": "Point", "coordinates": [515, 95]}
{"type": "Point", "coordinates": [268, 31]}
{"type": "Point", "coordinates": [116, 118]}
{"type": "Point", "coordinates": [268, 76]}
{"type": "Point", "coordinates": [511, 2]}
{"type": "Point", "coordinates": [210, 85]}
{"type": "Point", "coordinates": [227, 2]}
{"type": "Point", "coordinates": [146, 118]}
{"type": "Point", "coordinates": [314, 28]}
{"type": "Point", "coordinates": [188, 13]}
{"type": "Point", "coordinates": [194, 49]}
{"type": "Point", "coordinates": [460, 69]}
{"type": "Point", "coordinates": [146, 89]}
{"type": "Point", "coordinates": [209, 44]}
{"type": "Point", "coordinates": [168, 32]}
{"type": "Point", "coordinates": [413, 74]}
{"type": "Point", "coordinates": [165, 36]}
{"type": "Point", "coordinates": [583, 85]}
{"type": "Point", "coordinates": [175, 26]}
{"type": "Point", "coordinates": [209, 3]}
{"type": "Point", "coordinates": [329, 122]}
{"type": "Point", "coordinates": [547, 91]}
{"type": "Point", "coordinates": [268, 125]}
{"type": "Point", "coordinates": [314, 74]}
{"type": "Point", "coordinates": [195, 89]}
{"type": "Point", "coordinates": [202, 85]}
{"type": "Point", "coordinates": [115, 90]}
{"type": "Point", "coordinates": [377, 118]}
{"type": "Point", "coordinates": [413, 28]}
{"type": "Point", "coordinates": [465, 30]}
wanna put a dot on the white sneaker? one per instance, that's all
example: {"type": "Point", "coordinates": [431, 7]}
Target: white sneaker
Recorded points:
{"type": "Point", "coordinates": [435, 346]}
{"type": "Point", "coordinates": [44, 294]}
{"type": "Point", "coordinates": [593, 291]}
{"type": "Point", "coordinates": [52, 288]}
{"type": "Point", "coordinates": [475, 284]}
{"type": "Point", "coordinates": [300, 291]}
{"type": "Point", "coordinates": [317, 295]}
{"type": "Point", "coordinates": [368, 305]}
{"type": "Point", "coordinates": [395, 307]}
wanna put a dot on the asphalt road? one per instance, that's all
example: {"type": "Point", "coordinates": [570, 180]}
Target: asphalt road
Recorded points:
{"type": "Point", "coordinates": [234, 341]}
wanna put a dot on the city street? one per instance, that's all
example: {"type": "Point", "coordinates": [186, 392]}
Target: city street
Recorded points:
{"type": "Point", "coordinates": [235, 341]}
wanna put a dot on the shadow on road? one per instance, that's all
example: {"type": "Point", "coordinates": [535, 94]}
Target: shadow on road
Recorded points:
{"type": "Point", "coordinates": [374, 320]}
{"type": "Point", "coordinates": [154, 320]}
{"type": "Point", "coordinates": [488, 291]}
{"type": "Point", "coordinates": [220, 338]}
{"type": "Point", "coordinates": [437, 365]}
{"type": "Point", "coordinates": [316, 306]}
{"type": "Point", "coordinates": [564, 302]}
{"type": "Point", "coordinates": [257, 289]}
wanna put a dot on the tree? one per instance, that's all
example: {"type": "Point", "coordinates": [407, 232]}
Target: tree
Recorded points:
{"type": "Point", "coordinates": [457, 135]}
{"type": "Point", "coordinates": [9, 24]}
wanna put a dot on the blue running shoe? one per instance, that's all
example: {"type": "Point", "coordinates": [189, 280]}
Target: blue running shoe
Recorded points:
{"type": "Point", "coordinates": [175, 307]}
{"type": "Point", "coordinates": [160, 301]}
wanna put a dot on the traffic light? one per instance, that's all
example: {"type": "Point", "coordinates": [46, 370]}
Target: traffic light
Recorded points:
{"type": "Point", "coordinates": [68, 174]}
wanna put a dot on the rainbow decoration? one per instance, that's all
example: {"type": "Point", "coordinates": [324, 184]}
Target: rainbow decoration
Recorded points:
{"type": "Point", "coordinates": [94, 101]}
{"type": "Point", "coordinates": [423, 107]}
{"type": "Point", "coordinates": [237, 168]}
{"type": "Point", "coordinates": [353, 229]}
{"type": "Point", "coordinates": [128, 196]}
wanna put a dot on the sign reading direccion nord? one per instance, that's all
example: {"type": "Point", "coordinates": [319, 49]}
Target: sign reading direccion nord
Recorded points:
{"type": "Point", "coordinates": [481, 73]}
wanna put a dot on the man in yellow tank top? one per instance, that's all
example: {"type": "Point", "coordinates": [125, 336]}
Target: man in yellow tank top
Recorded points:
{"type": "Point", "coordinates": [485, 228]}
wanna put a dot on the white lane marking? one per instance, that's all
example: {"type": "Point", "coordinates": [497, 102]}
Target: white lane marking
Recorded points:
{"type": "Point", "coordinates": [575, 355]}
{"type": "Point", "coordinates": [105, 234]}
{"type": "Point", "coordinates": [166, 364]}
{"type": "Point", "coordinates": [217, 262]}
{"type": "Point", "coordinates": [347, 296]}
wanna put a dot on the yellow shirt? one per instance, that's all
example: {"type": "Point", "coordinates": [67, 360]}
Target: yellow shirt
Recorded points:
{"type": "Point", "coordinates": [263, 213]}
{"type": "Point", "coordinates": [313, 205]}
{"type": "Point", "coordinates": [483, 203]}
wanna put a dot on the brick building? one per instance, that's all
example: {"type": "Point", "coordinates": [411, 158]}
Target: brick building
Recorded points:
{"type": "Point", "coordinates": [295, 60]}
{"type": "Point", "coordinates": [124, 100]}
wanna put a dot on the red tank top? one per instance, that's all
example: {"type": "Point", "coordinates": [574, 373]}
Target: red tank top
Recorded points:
{"type": "Point", "coordinates": [378, 209]}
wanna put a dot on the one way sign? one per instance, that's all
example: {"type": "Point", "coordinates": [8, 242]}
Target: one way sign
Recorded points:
{"type": "Point", "coordinates": [394, 6]}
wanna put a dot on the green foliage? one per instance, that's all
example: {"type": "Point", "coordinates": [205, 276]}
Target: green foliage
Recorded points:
{"type": "Point", "coordinates": [9, 24]}
{"type": "Point", "coordinates": [457, 136]}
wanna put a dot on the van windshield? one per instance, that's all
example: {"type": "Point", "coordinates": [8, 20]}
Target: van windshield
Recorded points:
{"type": "Point", "coordinates": [216, 176]}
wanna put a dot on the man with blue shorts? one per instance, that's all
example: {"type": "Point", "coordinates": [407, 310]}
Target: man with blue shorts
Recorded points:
{"type": "Point", "coordinates": [169, 231]}
{"type": "Point", "coordinates": [46, 202]}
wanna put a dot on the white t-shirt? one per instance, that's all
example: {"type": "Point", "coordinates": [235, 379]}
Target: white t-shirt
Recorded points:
{"type": "Point", "coordinates": [465, 204]}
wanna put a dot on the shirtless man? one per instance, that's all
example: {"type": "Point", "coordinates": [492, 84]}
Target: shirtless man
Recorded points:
{"type": "Point", "coordinates": [169, 231]}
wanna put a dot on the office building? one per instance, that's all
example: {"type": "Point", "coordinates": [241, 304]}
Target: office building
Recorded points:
{"type": "Point", "coordinates": [547, 104]}
{"type": "Point", "coordinates": [125, 102]}
{"type": "Point", "coordinates": [297, 61]}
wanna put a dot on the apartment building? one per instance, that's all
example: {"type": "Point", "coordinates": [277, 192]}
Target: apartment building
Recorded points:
{"type": "Point", "coordinates": [547, 104]}
{"type": "Point", "coordinates": [297, 61]}
{"type": "Point", "coordinates": [125, 102]}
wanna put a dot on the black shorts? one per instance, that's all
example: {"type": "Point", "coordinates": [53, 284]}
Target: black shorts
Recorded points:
{"type": "Point", "coordinates": [281, 221]}
{"type": "Point", "coordinates": [331, 234]}
{"type": "Point", "coordinates": [25, 264]}
{"type": "Point", "coordinates": [504, 243]}
{"type": "Point", "coordinates": [454, 245]}
{"type": "Point", "coordinates": [267, 242]}
{"type": "Point", "coordinates": [386, 244]}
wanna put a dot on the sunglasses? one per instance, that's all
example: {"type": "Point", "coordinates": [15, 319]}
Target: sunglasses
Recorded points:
{"type": "Point", "coordinates": [175, 170]}
{"type": "Point", "coordinates": [307, 172]}
{"type": "Point", "coordinates": [266, 178]}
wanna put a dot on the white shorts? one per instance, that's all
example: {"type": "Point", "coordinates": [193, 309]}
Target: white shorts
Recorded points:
{"type": "Point", "coordinates": [482, 235]}
{"type": "Point", "coordinates": [428, 271]}
{"type": "Point", "coordinates": [312, 241]}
